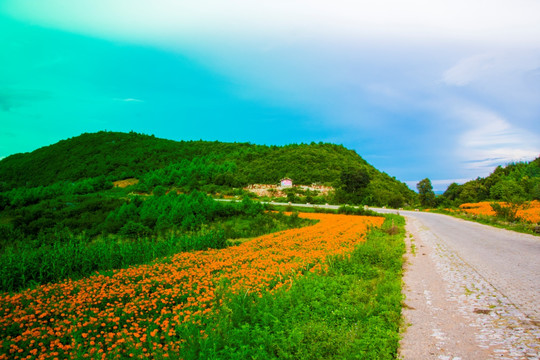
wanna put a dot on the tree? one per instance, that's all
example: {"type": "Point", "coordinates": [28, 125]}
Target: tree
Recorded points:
{"type": "Point", "coordinates": [134, 230]}
{"type": "Point", "coordinates": [473, 191]}
{"type": "Point", "coordinates": [159, 191]}
{"type": "Point", "coordinates": [453, 191]}
{"type": "Point", "coordinates": [425, 192]}
{"type": "Point", "coordinates": [354, 181]}
{"type": "Point", "coordinates": [291, 197]}
{"type": "Point", "coordinates": [507, 190]}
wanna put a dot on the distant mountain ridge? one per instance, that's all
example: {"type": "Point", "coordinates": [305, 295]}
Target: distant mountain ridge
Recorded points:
{"type": "Point", "coordinates": [118, 155]}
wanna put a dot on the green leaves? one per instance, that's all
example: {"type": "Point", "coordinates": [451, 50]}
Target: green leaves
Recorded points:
{"type": "Point", "coordinates": [425, 193]}
{"type": "Point", "coordinates": [514, 182]}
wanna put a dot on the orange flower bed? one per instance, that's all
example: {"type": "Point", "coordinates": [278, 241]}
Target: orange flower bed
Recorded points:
{"type": "Point", "coordinates": [529, 211]}
{"type": "Point", "coordinates": [135, 312]}
{"type": "Point", "coordinates": [480, 208]}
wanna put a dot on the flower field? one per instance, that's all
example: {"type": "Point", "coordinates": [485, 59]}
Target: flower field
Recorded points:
{"type": "Point", "coordinates": [529, 211]}
{"type": "Point", "coordinates": [136, 312]}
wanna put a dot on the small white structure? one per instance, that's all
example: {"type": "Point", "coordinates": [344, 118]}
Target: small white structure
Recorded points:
{"type": "Point", "coordinates": [286, 182]}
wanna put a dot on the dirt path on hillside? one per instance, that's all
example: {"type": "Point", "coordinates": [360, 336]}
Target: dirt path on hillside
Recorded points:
{"type": "Point", "coordinates": [454, 311]}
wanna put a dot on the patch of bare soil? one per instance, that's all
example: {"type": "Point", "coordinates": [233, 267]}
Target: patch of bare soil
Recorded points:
{"type": "Point", "coordinates": [126, 182]}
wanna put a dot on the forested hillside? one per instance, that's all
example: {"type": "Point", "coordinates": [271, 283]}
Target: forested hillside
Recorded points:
{"type": "Point", "coordinates": [514, 182]}
{"type": "Point", "coordinates": [58, 204]}
{"type": "Point", "coordinates": [198, 163]}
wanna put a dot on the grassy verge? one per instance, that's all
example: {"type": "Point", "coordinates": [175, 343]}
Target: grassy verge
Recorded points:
{"type": "Point", "coordinates": [519, 226]}
{"type": "Point", "coordinates": [350, 311]}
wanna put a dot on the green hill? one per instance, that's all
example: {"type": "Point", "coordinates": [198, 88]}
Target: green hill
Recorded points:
{"type": "Point", "coordinates": [514, 182]}
{"type": "Point", "coordinates": [230, 165]}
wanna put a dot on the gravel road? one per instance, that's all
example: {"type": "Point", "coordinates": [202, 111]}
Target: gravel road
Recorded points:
{"type": "Point", "coordinates": [472, 291]}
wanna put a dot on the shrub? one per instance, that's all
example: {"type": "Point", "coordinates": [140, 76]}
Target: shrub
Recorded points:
{"type": "Point", "coordinates": [506, 212]}
{"type": "Point", "coordinates": [350, 210]}
{"type": "Point", "coordinates": [134, 230]}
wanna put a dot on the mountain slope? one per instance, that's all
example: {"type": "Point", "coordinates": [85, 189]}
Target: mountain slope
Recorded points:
{"type": "Point", "coordinates": [104, 153]}
{"type": "Point", "coordinates": [122, 155]}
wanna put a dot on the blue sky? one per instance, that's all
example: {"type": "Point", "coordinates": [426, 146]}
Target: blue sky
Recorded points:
{"type": "Point", "coordinates": [440, 89]}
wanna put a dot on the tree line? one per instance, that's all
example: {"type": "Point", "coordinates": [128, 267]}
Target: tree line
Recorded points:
{"type": "Point", "coordinates": [514, 183]}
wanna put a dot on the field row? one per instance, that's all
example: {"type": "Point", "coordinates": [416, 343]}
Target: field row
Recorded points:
{"type": "Point", "coordinates": [136, 312]}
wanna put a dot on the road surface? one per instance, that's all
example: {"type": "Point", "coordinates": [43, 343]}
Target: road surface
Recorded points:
{"type": "Point", "coordinates": [472, 291]}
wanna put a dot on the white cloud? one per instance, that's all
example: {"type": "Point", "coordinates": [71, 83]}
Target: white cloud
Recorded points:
{"type": "Point", "coordinates": [468, 69]}
{"type": "Point", "coordinates": [491, 140]}
{"type": "Point", "coordinates": [130, 100]}
{"type": "Point", "coordinates": [469, 21]}
{"type": "Point", "coordinates": [493, 72]}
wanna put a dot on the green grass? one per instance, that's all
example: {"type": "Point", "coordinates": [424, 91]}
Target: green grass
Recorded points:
{"type": "Point", "coordinates": [351, 311]}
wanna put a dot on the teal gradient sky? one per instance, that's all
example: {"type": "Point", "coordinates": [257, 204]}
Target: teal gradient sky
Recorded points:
{"type": "Point", "coordinates": [445, 91]}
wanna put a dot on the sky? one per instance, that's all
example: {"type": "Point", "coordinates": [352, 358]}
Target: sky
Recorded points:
{"type": "Point", "coordinates": [441, 89]}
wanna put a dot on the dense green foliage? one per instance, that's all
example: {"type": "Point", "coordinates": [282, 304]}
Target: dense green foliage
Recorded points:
{"type": "Point", "coordinates": [513, 183]}
{"type": "Point", "coordinates": [115, 155]}
{"type": "Point", "coordinates": [70, 229]}
{"type": "Point", "coordinates": [349, 210]}
{"type": "Point", "coordinates": [202, 165]}
{"type": "Point", "coordinates": [74, 258]}
{"type": "Point", "coordinates": [425, 193]}
{"type": "Point", "coordinates": [352, 311]}
{"type": "Point", "coordinates": [49, 214]}
{"type": "Point", "coordinates": [177, 212]}
{"type": "Point", "coordinates": [59, 254]}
